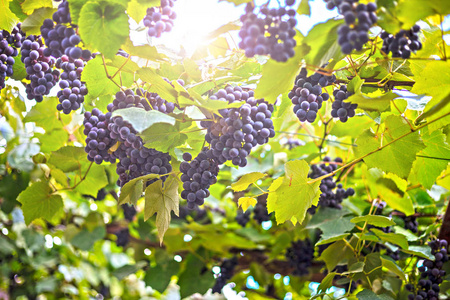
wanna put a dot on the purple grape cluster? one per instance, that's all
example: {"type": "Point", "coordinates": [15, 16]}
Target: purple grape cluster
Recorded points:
{"type": "Point", "coordinates": [293, 143]}
{"type": "Point", "coordinates": [160, 19]}
{"type": "Point", "coordinates": [403, 43]}
{"type": "Point", "coordinates": [242, 218]}
{"type": "Point", "coordinates": [61, 39]}
{"type": "Point", "coordinates": [123, 237]}
{"type": "Point", "coordinates": [269, 31]}
{"type": "Point", "coordinates": [340, 109]}
{"type": "Point", "coordinates": [73, 90]}
{"type": "Point", "coordinates": [300, 256]}
{"type": "Point", "coordinates": [411, 223]}
{"type": "Point", "coordinates": [260, 213]}
{"type": "Point", "coordinates": [39, 68]}
{"type": "Point", "coordinates": [155, 102]}
{"type": "Point", "coordinates": [238, 130]}
{"type": "Point", "coordinates": [62, 15]}
{"type": "Point", "coordinates": [9, 42]}
{"type": "Point", "coordinates": [135, 160]}
{"type": "Point", "coordinates": [359, 17]}
{"type": "Point", "coordinates": [129, 211]}
{"type": "Point", "coordinates": [198, 175]}
{"type": "Point", "coordinates": [329, 197]}
{"type": "Point", "coordinates": [98, 140]}
{"type": "Point", "coordinates": [432, 273]}
{"type": "Point", "coordinates": [307, 96]}
{"type": "Point", "coordinates": [226, 272]}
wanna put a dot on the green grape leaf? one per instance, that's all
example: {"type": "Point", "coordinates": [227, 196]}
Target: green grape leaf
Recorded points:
{"type": "Point", "coordinates": [95, 180]}
{"type": "Point", "coordinates": [44, 114]}
{"type": "Point", "coordinates": [334, 230]}
{"type": "Point", "coordinates": [380, 221]}
{"type": "Point", "coordinates": [290, 196]}
{"type": "Point", "coordinates": [393, 238]}
{"type": "Point", "coordinates": [103, 26]}
{"type": "Point", "coordinates": [85, 239]}
{"type": "Point", "coordinates": [133, 189]}
{"type": "Point", "coordinates": [97, 81]}
{"type": "Point", "coordinates": [408, 13]}
{"type": "Point", "coordinates": [144, 52]}
{"type": "Point", "coordinates": [28, 6]}
{"type": "Point", "coordinates": [246, 202]}
{"type": "Point", "coordinates": [165, 137]}
{"type": "Point", "coordinates": [162, 200]}
{"type": "Point", "coordinates": [158, 277]}
{"type": "Point", "coordinates": [247, 179]}
{"type": "Point", "coordinates": [52, 140]}
{"type": "Point", "coordinates": [422, 251]}
{"type": "Point", "coordinates": [304, 8]}
{"type": "Point", "coordinates": [194, 278]}
{"type": "Point", "coordinates": [338, 252]}
{"type": "Point", "coordinates": [326, 215]}
{"type": "Point", "coordinates": [326, 283]}
{"type": "Point", "coordinates": [377, 101]}
{"type": "Point", "coordinates": [69, 158]}
{"type": "Point", "coordinates": [396, 157]}
{"type": "Point", "coordinates": [142, 119]}
{"type": "Point", "coordinates": [33, 23]}
{"type": "Point", "coordinates": [277, 77]}
{"type": "Point", "coordinates": [75, 8]}
{"type": "Point", "coordinates": [135, 11]}
{"type": "Point", "coordinates": [126, 270]}
{"type": "Point", "coordinates": [19, 70]}
{"type": "Point", "coordinates": [38, 202]}
{"type": "Point", "coordinates": [394, 268]}
{"type": "Point", "coordinates": [158, 84]}
{"type": "Point", "coordinates": [432, 160]}
{"type": "Point", "coordinates": [322, 40]}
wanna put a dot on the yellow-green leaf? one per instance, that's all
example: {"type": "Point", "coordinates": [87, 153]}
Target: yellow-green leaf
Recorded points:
{"type": "Point", "coordinates": [246, 202]}
{"type": "Point", "coordinates": [247, 179]}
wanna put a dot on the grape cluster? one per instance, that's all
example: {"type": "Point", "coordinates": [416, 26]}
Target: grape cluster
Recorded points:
{"type": "Point", "coordinates": [340, 109]}
{"type": "Point", "coordinates": [123, 237]}
{"type": "Point", "coordinates": [160, 19]}
{"type": "Point", "coordinates": [198, 175]}
{"type": "Point", "coordinates": [226, 272]}
{"type": "Point", "coordinates": [300, 256]}
{"type": "Point", "coordinates": [39, 68]}
{"type": "Point", "coordinates": [197, 214]}
{"type": "Point", "coordinates": [234, 134]}
{"type": "Point", "coordinates": [411, 223]}
{"type": "Point", "coordinates": [269, 32]}
{"type": "Point", "coordinates": [260, 213]}
{"type": "Point", "coordinates": [9, 42]}
{"type": "Point", "coordinates": [135, 160]}
{"type": "Point", "coordinates": [328, 197]}
{"type": "Point", "coordinates": [432, 273]}
{"type": "Point", "coordinates": [293, 143]}
{"type": "Point", "coordinates": [403, 43]}
{"type": "Point", "coordinates": [62, 15]}
{"type": "Point", "coordinates": [307, 96]}
{"type": "Point", "coordinates": [98, 140]}
{"type": "Point", "coordinates": [359, 17]}
{"type": "Point", "coordinates": [155, 102]}
{"type": "Point", "coordinates": [242, 218]}
{"type": "Point", "coordinates": [61, 39]}
{"type": "Point", "coordinates": [129, 211]}
{"type": "Point", "coordinates": [73, 89]}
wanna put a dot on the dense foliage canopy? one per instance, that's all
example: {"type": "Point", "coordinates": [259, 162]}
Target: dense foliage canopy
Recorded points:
{"type": "Point", "coordinates": [266, 163]}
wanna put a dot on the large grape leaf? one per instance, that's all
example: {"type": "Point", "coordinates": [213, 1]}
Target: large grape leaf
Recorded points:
{"type": "Point", "coordinates": [432, 160]}
{"type": "Point", "coordinates": [142, 119]}
{"type": "Point", "coordinates": [162, 200]}
{"type": "Point", "coordinates": [290, 196]}
{"type": "Point", "coordinates": [95, 180]}
{"type": "Point", "coordinates": [247, 179]}
{"type": "Point", "coordinates": [411, 11]}
{"type": "Point", "coordinates": [44, 114]}
{"type": "Point", "coordinates": [396, 157]}
{"type": "Point", "coordinates": [195, 277]}
{"type": "Point", "coordinates": [28, 6]}
{"type": "Point", "coordinates": [69, 158]}
{"type": "Point", "coordinates": [158, 277]}
{"type": "Point", "coordinates": [433, 80]}
{"type": "Point", "coordinates": [277, 77]}
{"type": "Point", "coordinates": [38, 202]}
{"type": "Point", "coordinates": [103, 26]}
{"type": "Point", "coordinates": [33, 23]}
{"type": "Point", "coordinates": [377, 101]}
{"type": "Point", "coordinates": [97, 81]}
